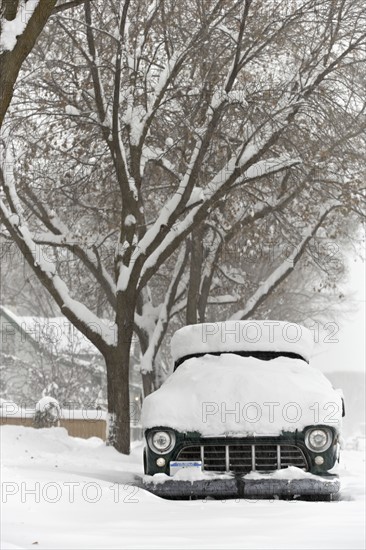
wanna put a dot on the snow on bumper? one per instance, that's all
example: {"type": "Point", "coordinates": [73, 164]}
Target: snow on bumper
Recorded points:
{"type": "Point", "coordinates": [240, 487]}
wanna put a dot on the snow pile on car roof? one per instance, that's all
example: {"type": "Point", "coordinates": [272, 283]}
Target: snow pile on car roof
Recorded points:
{"type": "Point", "coordinates": [233, 395]}
{"type": "Point", "coordinates": [231, 336]}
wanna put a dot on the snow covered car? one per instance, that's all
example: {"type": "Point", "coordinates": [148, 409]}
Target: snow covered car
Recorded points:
{"type": "Point", "coordinates": [243, 414]}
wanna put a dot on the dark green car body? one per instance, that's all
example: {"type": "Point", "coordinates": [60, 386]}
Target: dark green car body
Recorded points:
{"type": "Point", "coordinates": [286, 439]}
{"type": "Point", "coordinates": [229, 459]}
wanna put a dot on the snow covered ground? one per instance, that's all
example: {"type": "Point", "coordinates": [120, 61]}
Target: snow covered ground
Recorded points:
{"type": "Point", "coordinates": [69, 493]}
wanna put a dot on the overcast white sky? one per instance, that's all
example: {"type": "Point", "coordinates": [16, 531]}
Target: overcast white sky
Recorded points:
{"type": "Point", "coordinates": [349, 352]}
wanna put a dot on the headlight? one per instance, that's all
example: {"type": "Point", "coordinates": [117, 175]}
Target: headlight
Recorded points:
{"type": "Point", "coordinates": [318, 439]}
{"type": "Point", "coordinates": [162, 442]}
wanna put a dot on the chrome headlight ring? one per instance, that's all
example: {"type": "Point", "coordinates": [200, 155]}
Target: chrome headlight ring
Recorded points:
{"type": "Point", "coordinates": [161, 441]}
{"type": "Point", "coordinates": [318, 439]}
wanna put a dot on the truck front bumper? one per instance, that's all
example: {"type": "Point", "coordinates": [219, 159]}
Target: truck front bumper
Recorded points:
{"type": "Point", "coordinates": [238, 487]}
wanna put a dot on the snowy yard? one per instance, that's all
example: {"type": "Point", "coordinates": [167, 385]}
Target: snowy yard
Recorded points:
{"type": "Point", "coordinates": [69, 493]}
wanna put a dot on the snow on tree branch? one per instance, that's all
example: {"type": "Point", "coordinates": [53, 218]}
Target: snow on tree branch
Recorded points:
{"type": "Point", "coordinates": [284, 269]}
{"type": "Point", "coordinates": [99, 333]}
{"type": "Point", "coordinates": [20, 25]}
{"type": "Point", "coordinates": [11, 30]}
{"type": "Point", "coordinates": [148, 358]}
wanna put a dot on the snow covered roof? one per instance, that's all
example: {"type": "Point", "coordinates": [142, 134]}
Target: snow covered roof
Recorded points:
{"type": "Point", "coordinates": [232, 395]}
{"type": "Point", "coordinates": [56, 334]}
{"type": "Point", "coordinates": [233, 336]}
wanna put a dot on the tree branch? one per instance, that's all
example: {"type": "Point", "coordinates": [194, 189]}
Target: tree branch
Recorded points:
{"type": "Point", "coordinates": [67, 6]}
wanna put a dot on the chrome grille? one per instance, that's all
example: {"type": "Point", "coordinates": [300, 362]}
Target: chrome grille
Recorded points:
{"type": "Point", "coordinates": [214, 458]}
{"type": "Point", "coordinates": [243, 458]}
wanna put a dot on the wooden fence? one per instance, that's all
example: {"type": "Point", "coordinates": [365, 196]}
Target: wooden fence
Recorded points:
{"type": "Point", "coordinates": [88, 424]}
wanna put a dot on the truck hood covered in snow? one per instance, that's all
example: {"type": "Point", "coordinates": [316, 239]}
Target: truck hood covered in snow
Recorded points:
{"type": "Point", "coordinates": [233, 395]}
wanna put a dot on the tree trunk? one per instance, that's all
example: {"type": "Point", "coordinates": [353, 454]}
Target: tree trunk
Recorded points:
{"type": "Point", "coordinates": [118, 389]}
{"type": "Point", "coordinates": [148, 383]}
{"type": "Point", "coordinates": [194, 277]}
{"type": "Point", "coordinates": [148, 378]}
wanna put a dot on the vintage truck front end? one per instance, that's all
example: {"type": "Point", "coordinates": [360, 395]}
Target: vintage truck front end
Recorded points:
{"type": "Point", "coordinates": [231, 461]}
{"type": "Point", "coordinates": [245, 423]}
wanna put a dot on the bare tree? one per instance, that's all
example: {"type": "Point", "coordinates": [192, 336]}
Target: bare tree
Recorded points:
{"type": "Point", "coordinates": [177, 132]}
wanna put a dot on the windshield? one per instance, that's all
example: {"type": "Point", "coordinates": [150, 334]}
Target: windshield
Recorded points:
{"type": "Point", "coordinates": [264, 355]}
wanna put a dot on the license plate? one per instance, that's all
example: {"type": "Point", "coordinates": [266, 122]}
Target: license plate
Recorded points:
{"type": "Point", "coordinates": [178, 465]}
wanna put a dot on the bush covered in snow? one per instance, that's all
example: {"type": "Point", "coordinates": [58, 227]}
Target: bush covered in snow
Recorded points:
{"type": "Point", "coordinates": [47, 413]}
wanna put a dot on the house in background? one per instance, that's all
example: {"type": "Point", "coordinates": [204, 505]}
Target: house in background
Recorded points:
{"type": "Point", "coordinates": [49, 356]}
